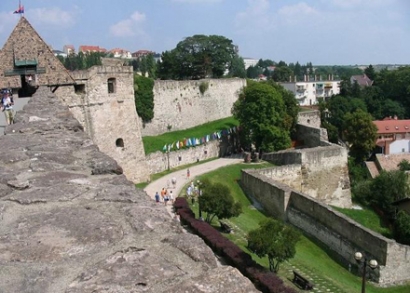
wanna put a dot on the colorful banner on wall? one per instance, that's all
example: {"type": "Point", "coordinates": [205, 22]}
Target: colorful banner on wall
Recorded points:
{"type": "Point", "coordinates": [195, 141]}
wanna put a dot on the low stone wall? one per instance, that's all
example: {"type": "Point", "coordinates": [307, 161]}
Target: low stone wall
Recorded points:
{"type": "Point", "coordinates": [160, 161]}
{"type": "Point", "coordinates": [271, 194]}
{"type": "Point", "coordinates": [309, 118]}
{"type": "Point", "coordinates": [340, 234]}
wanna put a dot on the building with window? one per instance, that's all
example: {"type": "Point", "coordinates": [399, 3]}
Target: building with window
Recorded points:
{"type": "Point", "coordinates": [393, 136]}
{"type": "Point", "coordinates": [311, 90]}
{"type": "Point", "coordinates": [91, 49]}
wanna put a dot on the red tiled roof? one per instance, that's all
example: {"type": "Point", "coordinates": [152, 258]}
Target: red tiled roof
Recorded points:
{"type": "Point", "coordinates": [390, 126]}
{"type": "Point", "coordinates": [85, 48]}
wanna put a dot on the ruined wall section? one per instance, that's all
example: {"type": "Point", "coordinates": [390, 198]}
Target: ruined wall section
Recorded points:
{"type": "Point", "coordinates": [323, 172]}
{"type": "Point", "coordinates": [110, 118]}
{"type": "Point", "coordinates": [180, 105]}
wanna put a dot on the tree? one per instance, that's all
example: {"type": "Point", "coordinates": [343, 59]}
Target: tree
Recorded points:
{"type": "Point", "coordinates": [144, 97]}
{"type": "Point", "coordinates": [197, 57]}
{"type": "Point", "coordinates": [387, 188]}
{"type": "Point", "coordinates": [253, 72]}
{"type": "Point", "coordinates": [282, 74]}
{"type": "Point", "coordinates": [370, 72]}
{"type": "Point", "coordinates": [237, 68]}
{"type": "Point", "coordinates": [217, 201]}
{"type": "Point", "coordinates": [360, 131]}
{"type": "Point", "coordinates": [274, 240]}
{"type": "Point", "coordinates": [404, 165]}
{"type": "Point", "coordinates": [260, 110]}
{"type": "Point", "coordinates": [402, 228]}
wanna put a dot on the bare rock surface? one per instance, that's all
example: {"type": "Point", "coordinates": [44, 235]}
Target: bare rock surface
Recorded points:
{"type": "Point", "coordinates": [71, 222]}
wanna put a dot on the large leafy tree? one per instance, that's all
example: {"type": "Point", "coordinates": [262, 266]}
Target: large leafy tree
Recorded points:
{"type": "Point", "coordinates": [216, 200]}
{"type": "Point", "coordinates": [387, 188]}
{"type": "Point", "coordinates": [360, 132]}
{"type": "Point", "coordinates": [237, 68]}
{"type": "Point", "coordinates": [144, 97]}
{"type": "Point", "coordinates": [261, 110]}
{"type": "Point", "coordinates": [199, 56]}
{"type": "Point", "coordinates": [274, 240]}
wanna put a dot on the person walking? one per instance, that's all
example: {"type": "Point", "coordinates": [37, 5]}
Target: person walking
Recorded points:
{"type": "Point", "coordinates": [157, 197]}
{"type": "Point", "coordinates": [7, 107]}
{"type": "Point", "coordinates": [174, 182]}
{"type": "Point", "coordinates": [188, 174]}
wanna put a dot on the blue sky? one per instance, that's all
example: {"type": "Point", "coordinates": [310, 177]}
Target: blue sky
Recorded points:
{"type": "Point", "coordinates": [324, 32]}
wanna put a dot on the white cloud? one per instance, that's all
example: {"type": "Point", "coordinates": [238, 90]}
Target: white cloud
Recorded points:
{"type": "Point", "coordinates": [297, 10]}
{"type": "Point", "coordinates": [360, 3]}
{"type": "Point", "coordinates": [55, 17]}
{"type": "Point", "coordinates": [129, 27]}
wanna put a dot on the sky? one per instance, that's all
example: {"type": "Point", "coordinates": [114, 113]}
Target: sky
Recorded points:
{"type": "Point", "coordinates": [324, 32]}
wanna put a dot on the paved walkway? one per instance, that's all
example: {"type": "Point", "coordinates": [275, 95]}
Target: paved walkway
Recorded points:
{"type": "Point", "coordinates": [182, 180]}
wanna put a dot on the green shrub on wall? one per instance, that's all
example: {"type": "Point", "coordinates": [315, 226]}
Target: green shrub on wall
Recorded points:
{"type": "Point", "coordinates": [144, 97]}
{"type": "Point", "coordinates": [203, 87]}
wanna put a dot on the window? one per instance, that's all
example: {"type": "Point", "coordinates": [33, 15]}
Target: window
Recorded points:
{"type": "Point", "coordinates": [79, 88]}
{"type": "Point", "coordinates": [111, 85]}
{"type": "Point", "coordinates": [119, 143]}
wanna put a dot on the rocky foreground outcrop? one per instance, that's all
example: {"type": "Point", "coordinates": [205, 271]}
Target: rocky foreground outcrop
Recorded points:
{"type": "Point", "coordinates": [71, 222]}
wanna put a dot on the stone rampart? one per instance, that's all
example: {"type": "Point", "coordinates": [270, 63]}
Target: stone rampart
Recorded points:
{"type": "Point", "coordinates": [180, 104]}
{"type": "Point", "coordinates": [271, 194]}
{"type": "Point", "coordinates": [161, 161]}
{"type": "Point", "coordinates": [309, 118]}
{"type": "Point", "coordinates": [322, 172]}
{"type": "Point", "coordinates": [312, 136]}
{"type": "Point", "coordinates": [71, 222]}
{"type": "Point", "coordinates": [339, 233]}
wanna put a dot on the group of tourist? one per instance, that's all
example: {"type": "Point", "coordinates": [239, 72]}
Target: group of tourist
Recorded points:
{"type": "Point", "coordinates": [165, 196]}
{"type": "Point", "coordinates": [6, 105]}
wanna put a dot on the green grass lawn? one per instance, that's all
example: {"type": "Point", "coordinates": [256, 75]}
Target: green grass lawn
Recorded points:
{"type": "Point", "coordinates": [367, 218]}
{"type": "Point", "coordinates": [310, 257]}
{"type": "Point", "coordinates": [156, 143]}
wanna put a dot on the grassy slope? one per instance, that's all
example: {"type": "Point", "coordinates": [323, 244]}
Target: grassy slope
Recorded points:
{"type": "Point", "coordinates": [309, 255]}
{"type": "Point", "coordinates": [156, 143]}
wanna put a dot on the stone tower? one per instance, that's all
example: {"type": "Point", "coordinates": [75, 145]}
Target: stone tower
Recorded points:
{"type": "Point", "coordinates": [101, 98]}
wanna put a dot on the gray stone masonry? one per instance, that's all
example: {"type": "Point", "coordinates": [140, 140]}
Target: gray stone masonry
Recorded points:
{"type": "Point", "coordinates": [71, 222]}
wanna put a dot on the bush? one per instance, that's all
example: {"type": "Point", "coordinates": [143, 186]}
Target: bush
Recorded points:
{"type": "Point", "coordinates": [203, 87]}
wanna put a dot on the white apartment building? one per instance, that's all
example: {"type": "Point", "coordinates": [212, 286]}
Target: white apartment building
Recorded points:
{"type": "Point", "coordinates": [249, 62]}
{"type": "Point", "coordinates": [311, 90]}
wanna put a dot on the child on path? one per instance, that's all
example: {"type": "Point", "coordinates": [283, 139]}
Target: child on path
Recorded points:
{"type": "Point", "coordinates": [157, 197]}
{"type": "Point", "coordinates": [188, 173]}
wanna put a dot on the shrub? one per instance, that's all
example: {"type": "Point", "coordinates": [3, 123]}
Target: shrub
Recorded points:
{"type": "Point", "coordinates": [203, 87]}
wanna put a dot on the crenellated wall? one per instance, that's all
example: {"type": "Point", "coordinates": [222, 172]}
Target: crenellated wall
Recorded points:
{"type": "Point", "coordinates": [181, 105]}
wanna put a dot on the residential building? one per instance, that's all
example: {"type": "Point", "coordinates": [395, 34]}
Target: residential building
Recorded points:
{"type": "Point", "coordinates": [69, 49]}
{"type": "Point", "coordinates": [250, 62]}
{"type": "Point", "coordinates": [140, 53]}
{"type": "Point", "coordinates": [59, 53]}
{"type": "Point", "coordinates": [120, 53]}
{"type": "Point", "coordinates": [91, 49]}
{"type": "Point", "coordinates": [393, 136]}
{"type": "Point", "coordinates": [311, 90]}
{"type": "Point", "coordinates": [361, 80]}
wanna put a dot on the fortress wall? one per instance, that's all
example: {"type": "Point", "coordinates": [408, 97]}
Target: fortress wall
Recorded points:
{"type": "Point", "coordinates": [180, 104]}
{"type": "Point", "coordinates": [160, 161]}
{"type": "Point", "coordinates": [110, 118]}
{"type": "Point", "coordinates": [337, 232]}
{"type": "Point", "coordinates": [271, 194]}
{"type": "Point", "coordinates": [288, 174]}
{"type": "Point", "coordinates": [309, 118]}
{"type": "Point", "coordinates": [312, 136]}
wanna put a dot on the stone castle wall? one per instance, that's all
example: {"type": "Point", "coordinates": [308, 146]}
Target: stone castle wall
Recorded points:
{"type": "Point", "coordinates": [339, 233]}
{"type": "Point", "coordinates": [321, 172]}
{"type": "Point", "coordinates": [109, 118]}
{"type": "Point", "coordinates": [161, 161]}
{"type": "Point", "coordinates": [180, 104]}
